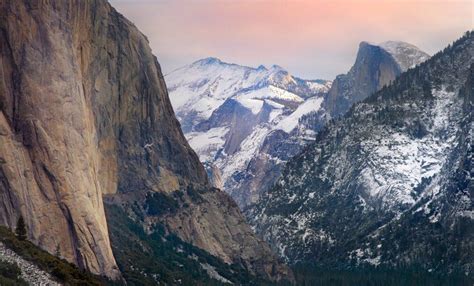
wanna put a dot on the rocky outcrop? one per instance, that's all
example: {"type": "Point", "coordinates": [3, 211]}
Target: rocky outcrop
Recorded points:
{"type": "Point", "coordinates": [214, 175]}
{"type": "Point", "coordinates": [214, 222]}
{"type": "Point", "coordinates": [85, 113]}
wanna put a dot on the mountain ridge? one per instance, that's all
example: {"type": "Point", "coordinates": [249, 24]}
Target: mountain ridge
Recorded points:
{"type": "Point", "coordinates": [223, 107]}
{"type": "Point", "coordinates": [212, 99]}
{"type": "Point", "coordinates": [385, 172]}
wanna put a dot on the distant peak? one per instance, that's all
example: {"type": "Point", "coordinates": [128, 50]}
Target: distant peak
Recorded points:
{"type": "Point", "coordinates": [208, 61]}
{"type": "Point", "coordinates": [388, 45]}
{"type": "Point", "coordinates": [365, 44]}
{"type": "Point", "coordinates": [369, 47]}
{"type": "Point", "coordinates": [276, 67]}
{"type": "Point", "coordinates": [405, 54]}
{"type": "Point", "coordinates": [394, 43]}
{"type": "Point", "coordinates": [261, 67]}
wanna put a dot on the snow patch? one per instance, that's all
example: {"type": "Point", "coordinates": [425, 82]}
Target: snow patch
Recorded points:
{"type": "Point", "coordinates": [206, 144]}
{"type": "Point", "coordinates": [311, 105]}
{"type": "Point", "coordinates": [212, 272]}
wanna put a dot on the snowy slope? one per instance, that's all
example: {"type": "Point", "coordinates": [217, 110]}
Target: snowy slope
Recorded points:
{"type": "Point", "coordinates": [405, 54]}
{"type": "Point", "coordinates": [389, 183]}
{"type": "Point", "coordinates": [228, 112]}
{"type": "Point", "coordinates": [204, 86]}
{"type": "Point", "coordinates": [245, 121]}
{"type": "Point", "coordinates": [290, 122]}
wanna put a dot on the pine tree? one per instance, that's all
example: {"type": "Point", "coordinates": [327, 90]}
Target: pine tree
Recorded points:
{"type": "Point", "coordinates": [20, 230]}
{"type": "Point", "coordinates": [58, 251]}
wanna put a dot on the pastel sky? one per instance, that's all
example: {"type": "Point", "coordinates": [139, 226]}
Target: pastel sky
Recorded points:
{"type": "Point", "coordinates": [311, 38]}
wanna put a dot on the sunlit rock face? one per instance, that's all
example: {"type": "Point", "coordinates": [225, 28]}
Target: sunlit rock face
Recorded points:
{"type": "Point", "coordinates": [85, 114]}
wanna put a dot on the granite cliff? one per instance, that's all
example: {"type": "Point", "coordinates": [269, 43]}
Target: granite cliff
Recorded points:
{"type": "Point", "coordinates": [85, 114]}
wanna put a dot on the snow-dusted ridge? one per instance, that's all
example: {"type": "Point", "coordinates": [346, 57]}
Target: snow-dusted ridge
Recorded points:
{"type": "Point", "coordinates": [391, 182]}
{"type": "Point", "coordinates": [204, 85]}
{"type": "Point", "coordinates": [227, 111]}
{"type": "Point", "coordinates": [249, 121]}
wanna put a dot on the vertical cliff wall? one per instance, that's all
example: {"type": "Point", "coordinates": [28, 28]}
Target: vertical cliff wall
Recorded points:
{"type": "Point", "coordinates": [81, 98]}
{"type": "Point", "coordinates": [48, 142]}
{"type": "Point", "coordinates": [85, 113]}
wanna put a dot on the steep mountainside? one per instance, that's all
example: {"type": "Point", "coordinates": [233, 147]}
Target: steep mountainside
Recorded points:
{"type": "Point", "coordinates": [229, 114]}
{"type": "Point", "coordinates": [85, 113]}
{"type": "Point", "coordinates": [245, 123]}
{"type": "Point", "coordinates": [391, 182]}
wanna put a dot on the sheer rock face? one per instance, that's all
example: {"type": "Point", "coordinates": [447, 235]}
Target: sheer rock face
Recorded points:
{"type": "Point", "coordinates": [51, 159]}
{"type": "Point", "coordinates": [85, 113]}
{"type": "Point", "coordinates": [375, 66]}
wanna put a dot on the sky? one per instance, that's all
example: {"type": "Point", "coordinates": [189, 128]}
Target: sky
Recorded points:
{"type": "Point", "coordinates": [310, 38]}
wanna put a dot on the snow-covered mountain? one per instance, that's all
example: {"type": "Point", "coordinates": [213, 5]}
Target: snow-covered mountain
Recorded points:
{"type": "Point", "coordinates": [245, 123]}
{"type": "Point", "coordinates": [230, 112]}
{"type": "Point", "coordinates": [406, 55]}
{"type": "Point", "coordinates": [391, 182]}
{"type": "Point", "coordinates": [197, 90]}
